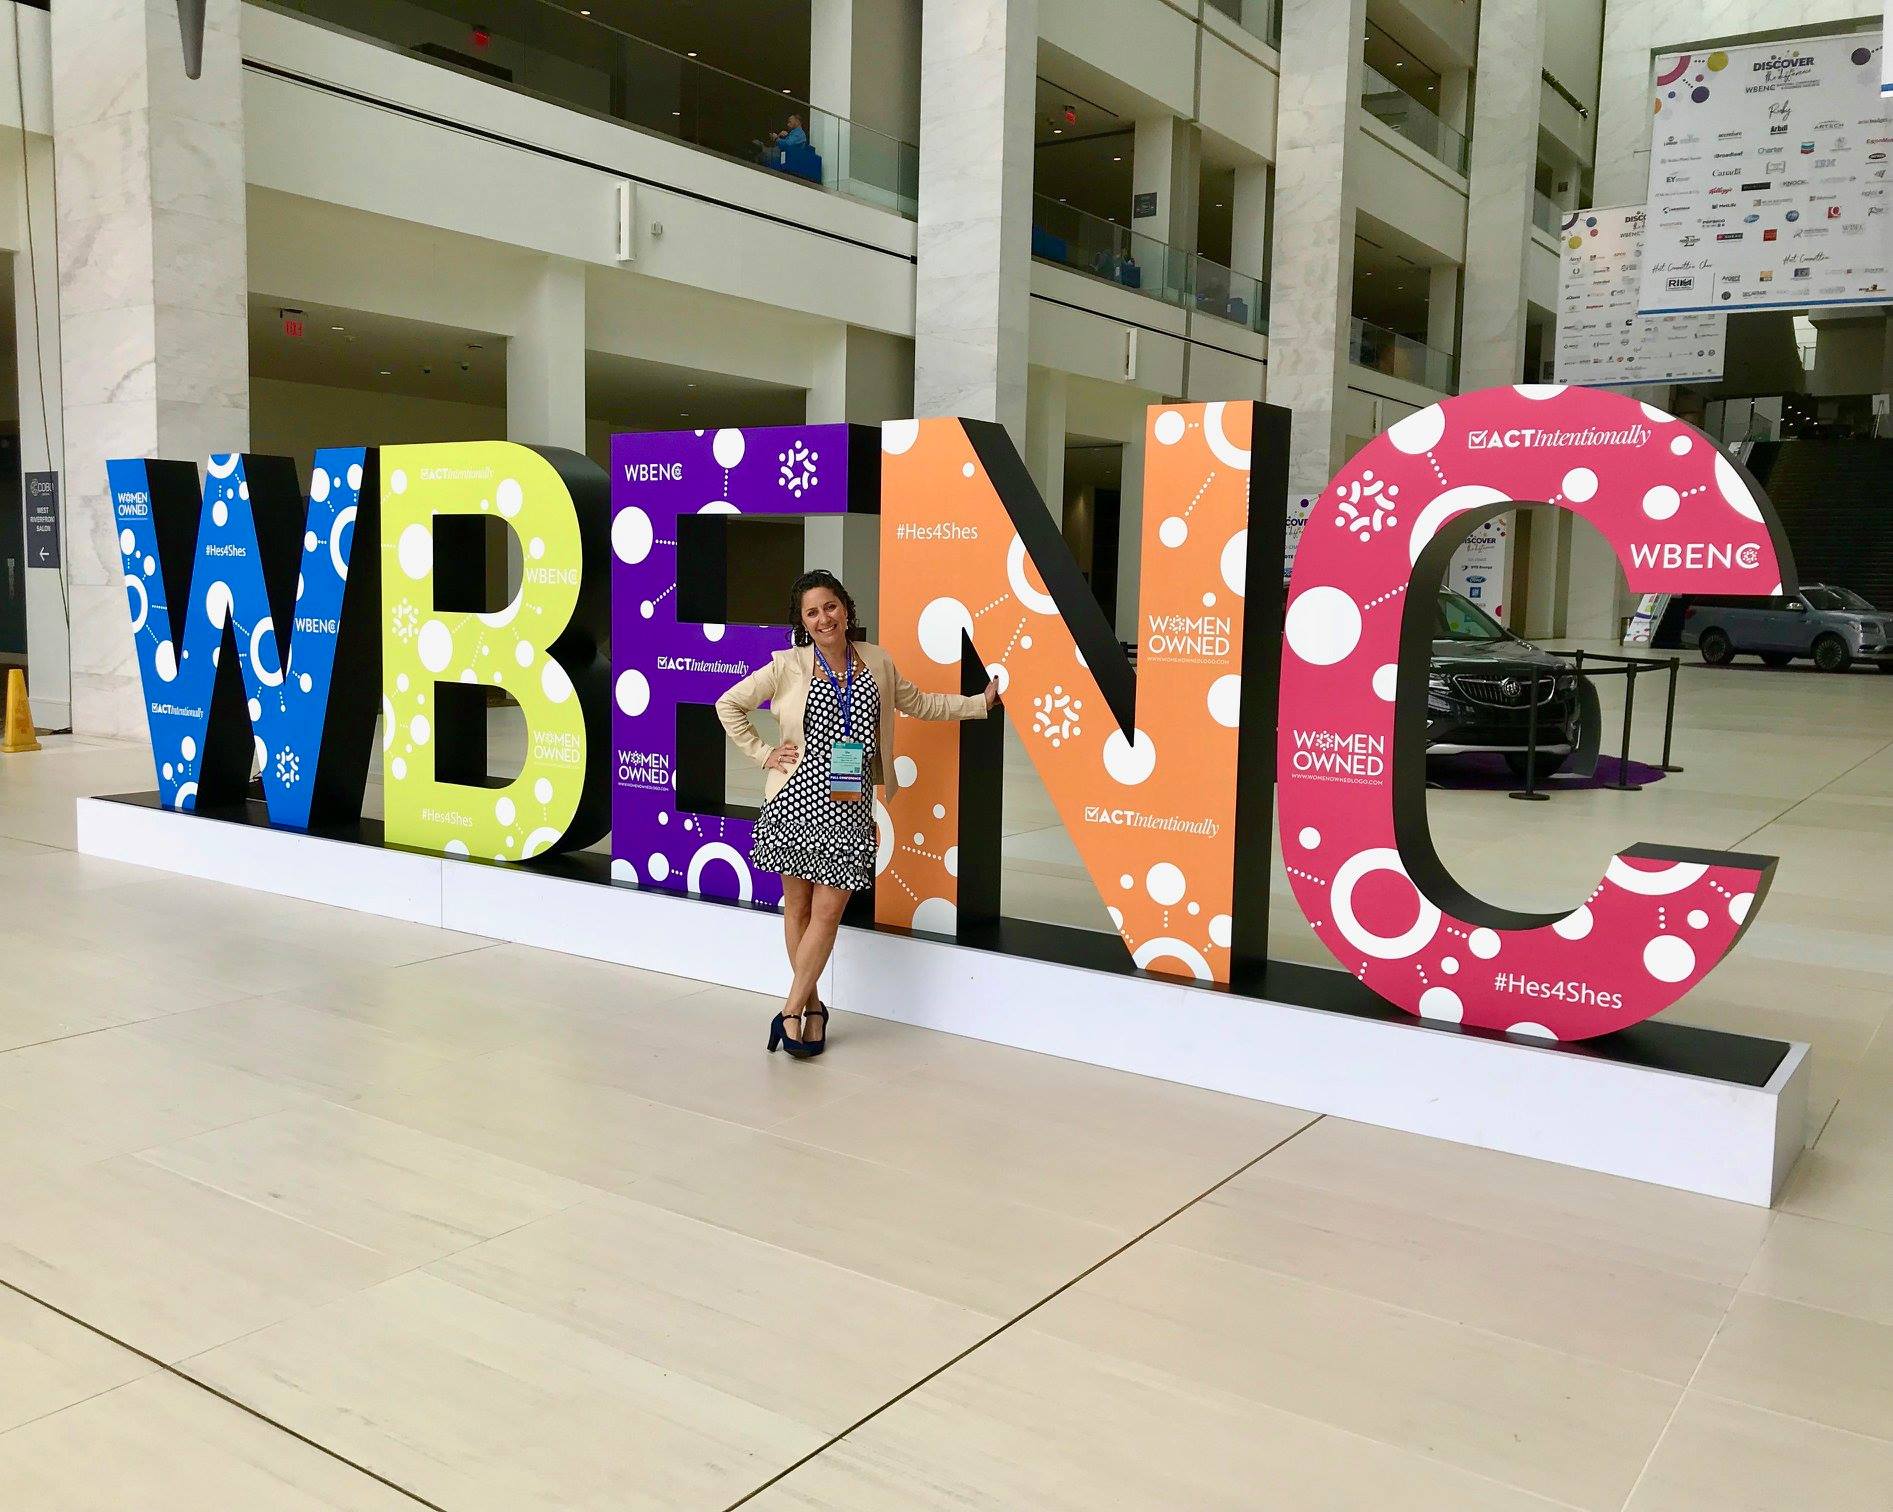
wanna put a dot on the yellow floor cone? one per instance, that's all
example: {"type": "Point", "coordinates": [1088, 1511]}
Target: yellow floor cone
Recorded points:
{"type": "Point", "coordinates": [18, 735]}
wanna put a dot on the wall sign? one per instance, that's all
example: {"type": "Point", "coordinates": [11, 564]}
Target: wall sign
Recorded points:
{"type": "Point", "coordinates": [1602, 340]}
{"type": "Point", "coordinates": [1767, 178]}
{"type": "Point", "coordinates": [1166, 797]}
{"type": "Point", "coordinates": [42, 519]}
{"type": "Point", "coordinates": [1350, 761]}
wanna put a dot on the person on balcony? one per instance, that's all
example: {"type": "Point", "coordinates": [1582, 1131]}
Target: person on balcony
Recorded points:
{"type": "Point", "coordinates": [791, 136]}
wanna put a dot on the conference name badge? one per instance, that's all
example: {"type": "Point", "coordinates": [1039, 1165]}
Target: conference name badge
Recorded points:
{"type": "Point", "coordinates": [847, 769]}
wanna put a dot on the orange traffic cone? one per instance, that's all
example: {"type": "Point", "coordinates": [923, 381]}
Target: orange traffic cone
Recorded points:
{"type": "Point", "coordinates": [18, 734]}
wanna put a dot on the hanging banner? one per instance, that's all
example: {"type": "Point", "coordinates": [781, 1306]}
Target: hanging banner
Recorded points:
{"type": "Point", "coordinates": [1602, 340]}
{"type": "Point", "coordinates": [1768, 179]}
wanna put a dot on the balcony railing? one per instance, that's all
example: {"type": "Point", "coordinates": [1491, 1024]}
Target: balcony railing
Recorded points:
{"type": "Point", "coordinates": [1091, 244]}
{"type": "Point", "coordinates": [1261, 17]}
{"type": "Point", "coordinates": [1220, 291]}
{"type": "Point", "coordinates": [1544, 214]}
{"type": "Point", "coordinates": [1397, 110]}
{"type": "Point", "coordinates": [1372, 346]}
{"type": "Point", "coordinates": [555, 54]}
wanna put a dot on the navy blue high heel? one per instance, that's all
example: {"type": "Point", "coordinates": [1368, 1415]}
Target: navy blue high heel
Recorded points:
{"type": "Point", "coordinates": [779, 1040]}
{"type": "Point", "coordinates": [816, 1047]}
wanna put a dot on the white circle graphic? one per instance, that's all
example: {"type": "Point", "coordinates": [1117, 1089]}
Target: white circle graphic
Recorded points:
{"type": "Point", "coordinates": [1580, 485]}
{"type": "Point", "coordinates": [1225, 700]}
{"type": "Point", "coordinates": [906, 774]}
{"type": "Point", "coordinates": [899, 436]}
{"type": "Point", "coordinates": [435, 646]}
{"type": "Point", "coordinates": [1309, 838]}
{"type": "Point", "coordinates": [1662, 501]}
{"type": "Point", "coordinates": [1484, 943]}
{"type": "Point", "coordinates": [1576, 925]}
{"type": "Point", "coordinates": [1418, 433]}
{"type": "Point", "coordinates": [1386, 681]}
{"type": "Point", "coordinates": [510, 496]}
{"type": "Point", "coordinates": [1165, 948]}
{"type": "Point", "coordinates": [1669, 958]}
{"type": "Point", "coordinates": [1532, 1030]}
{"type": "Point", "coordinates": [1654, 884]}
{"type": "Point", "coordinates": [1174, 531]}
{"type": "Point", "coordinates": [1455, 501]}
{"type": "Point", "coordinates": [1165, 884]}
{"type": "Point", "coordinates": [936, 916]}
{"type": "Point", "coordinates": [1038, 603]}
{"type": "Point", "coordinates": [505, 810]}
{"type": "Point", "coordinates": [728, 855]}
{"type": "Point", "coordinates": [1341, 900]}
{"type": "Point", "coordinates": [941, 625]}
{"type": "Point", "coordinates": [1323, 626]}
{"type": "Point", "coordinates": [1235, 562]}
{"type": "Point", "coordinates": [1129, 762]}
{"type": "Point", "coordinates": [1442, 1005]}
{"type": "Point", "coordinates": [416, 551]}
{"type": "Point", "coordinates": [1220, 446]}
{"type": "Point", "coordinates": [1169, 428]}
{"type": "Point", "coordinates": [1734, 491]}
{"type": "Point", "coordinates": [634, 692]}
{"type": "Point", "coordinates": [632, 535]}
{"type": "Point", "coordinates": [728, 446]}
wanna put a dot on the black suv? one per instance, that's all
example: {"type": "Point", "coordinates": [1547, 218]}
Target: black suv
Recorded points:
{"type": "Point", "coordinates": [1480, 687]}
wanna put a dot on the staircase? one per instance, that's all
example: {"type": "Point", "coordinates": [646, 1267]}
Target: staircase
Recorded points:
{"type": "Point", "coordinates": [1835, 500]}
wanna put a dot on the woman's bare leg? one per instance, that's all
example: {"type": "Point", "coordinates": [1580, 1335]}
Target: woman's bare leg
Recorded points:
{"type": "Point", "coordinates": [797, 894]}
{"type": "Point", "coordinates": [817, 944]}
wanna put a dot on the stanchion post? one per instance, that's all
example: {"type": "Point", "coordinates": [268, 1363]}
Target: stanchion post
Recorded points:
{"type": "Point", "coordinates": [1531, 793]}
{"type": "Point", "coordinates": [1669, 716]}
{"type": "Point", "coordinates": [1623, 784]}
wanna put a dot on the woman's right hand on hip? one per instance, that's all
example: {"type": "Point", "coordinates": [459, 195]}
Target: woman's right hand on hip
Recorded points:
{"type": "Point", "coordinates": [784, 757]}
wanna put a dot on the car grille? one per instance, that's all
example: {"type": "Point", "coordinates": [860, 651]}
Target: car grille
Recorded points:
{"type": "Point", "coordinates": [1510, 692]}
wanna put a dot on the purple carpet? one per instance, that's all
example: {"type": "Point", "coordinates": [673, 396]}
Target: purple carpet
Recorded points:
{"type": "Point", "coordinates": [1487, 771]}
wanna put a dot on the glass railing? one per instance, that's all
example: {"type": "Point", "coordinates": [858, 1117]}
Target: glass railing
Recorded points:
{"type": "Point", "coordinates": [1261, 17]}
{"type": "Point", "coordinates": [544, 50]}
{"type": "Point", "coordinates": [1078, 239]}
{"type": "Point", "coordinates": [1223, 292]}
{"type": "Point", "coordinates": [1372, 346]}
{"type": "Point", "coordinates": [1397, 110]}
{"type": "Point", "coordinates": [1091, 244]}
{"type": "Point", "coordinates": [1544, 214]}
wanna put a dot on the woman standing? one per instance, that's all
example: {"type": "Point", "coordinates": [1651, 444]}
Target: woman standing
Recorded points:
{"type": "Point", "coordinates": [834, 700]}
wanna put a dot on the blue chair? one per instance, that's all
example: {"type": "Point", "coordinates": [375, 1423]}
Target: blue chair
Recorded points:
{"type": "Point", "coordinates": [1239, 311]}
{"type": "Point", "coordinates": [1130, 275]}
{"type": "Point", "coordinates": [1044, 244]}
{"type": "Point", "coordinates": [803, 161]}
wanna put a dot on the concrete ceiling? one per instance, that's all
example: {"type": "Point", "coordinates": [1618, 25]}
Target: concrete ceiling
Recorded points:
{"type": "Point", "coordinates": [350, 349]}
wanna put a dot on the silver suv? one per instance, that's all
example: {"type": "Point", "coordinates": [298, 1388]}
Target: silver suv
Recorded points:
{"type": "Point", "coordinates": [1834, 626]}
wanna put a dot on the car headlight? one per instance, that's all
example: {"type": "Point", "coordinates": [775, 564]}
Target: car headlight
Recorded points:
{"type": "Point", "coordinates": [1436, 682]}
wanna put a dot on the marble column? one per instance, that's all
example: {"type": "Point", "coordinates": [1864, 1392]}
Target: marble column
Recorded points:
{"type": "Point", "coordinates": [972, 286]}
{"type": "Point", "coordinates": [42, 443]}
{"type": "Point", "coordinates": [1311, 287]}
{"type": "Point", "coordinates": [153, 291]}
{"type": "Point", "coordinates": [864, 377]}
{"type": "Point", "coordinates": [1499, 205]}
{"type": "Point", "coordinates": [545, 359]}
{"type": "Point", "coordinates": [1045, 438]}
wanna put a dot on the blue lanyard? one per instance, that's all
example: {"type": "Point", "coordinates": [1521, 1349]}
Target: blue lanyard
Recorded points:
{"type": "Point", "coordinates": [843, 695]}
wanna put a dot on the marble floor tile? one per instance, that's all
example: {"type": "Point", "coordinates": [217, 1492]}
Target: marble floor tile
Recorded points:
{"type": "Point", "coordinates": [817, 1342]}
{"type": "Point", "coordinates": [1720, 1456]}
{"type": "Point", "coordinates": [406, 1195]}
{"type": "Point", "coordinates": [165, 1264]}
{"type": "Point", "coordinates": [1605, 1308]}
{"type": "Point", "coordinates": [1826, 1265]}
{"type": "Point", "coordinates": [1560, 1426]}
{"type": "Point", "coordinates": [1040, 1422]}
{"type": "Point", "coordinates": [481, 1407]}
{"type": "Point", "coordinates": [1832, 1367]}
{"type": "Point", "coordinates": [164, 1445]}
{"type": "Point", "coordinates": [48, 1363]}
{"type": "Point", "coordinates": [940, 1235]}
{"type": "Point", "coordinates": [1603, 1217]}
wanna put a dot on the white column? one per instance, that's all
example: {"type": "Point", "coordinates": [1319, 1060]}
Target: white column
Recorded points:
{"type": "Point", "coordinates": [1311, 287]}
{"type": "Point", "coordinates": [42, 434]}
{"type": "Point", "coordinates": [153, 324]}
{"type": "Point", "coordinates": [972, 285]}
{"type": "Point", "coordinates": [1442, 307]}
{"type": "Point", "coordinates": [863, 377]}
{"type": "Point", "coordinates": [1164, 162]}
{"type": "Point", "coordinates": [1249, 224]}
{"type": "Point", "coordinates": [861, 63]}
{"type": "Point", "coordinates": [545, 360]}
{"type": "Point", "coordinates": [1498, 208]}
{"type": "Point", "coordinates": [1130, 537]}
{"type": "Point", "coordinates": [1045, 438]}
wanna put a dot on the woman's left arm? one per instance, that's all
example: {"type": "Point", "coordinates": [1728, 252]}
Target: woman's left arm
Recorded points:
{"type": "Point", "coordinates": [917, 703]}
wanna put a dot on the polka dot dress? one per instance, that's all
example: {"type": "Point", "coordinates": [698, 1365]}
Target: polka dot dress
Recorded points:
{"type": "Point", "coordinates": [802, 832]}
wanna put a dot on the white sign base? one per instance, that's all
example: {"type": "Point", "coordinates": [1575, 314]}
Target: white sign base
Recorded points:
{"type": "Point", "coordinates": [1573, 1105]}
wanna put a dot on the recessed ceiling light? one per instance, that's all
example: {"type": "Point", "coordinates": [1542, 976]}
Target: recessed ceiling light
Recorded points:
{"type": "Point", "coordinates": [785, 91]}
{"type": "Point", "coordinates": [676, 112]}
{"type": "Point", "coordinates": [690, 55]}
{"type": "Point", "coordinates": [1058, 131]}
{"type": "Point", "coordinates": [337, 328]}
{"type": "Point", "coordinates": [387, 372]}
{"type": "Point", "coordinates": [1117, 159]}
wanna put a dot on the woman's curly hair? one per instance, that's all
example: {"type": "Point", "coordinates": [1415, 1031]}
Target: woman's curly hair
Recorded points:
{"type": "Point", "coordinates": [819, 577]}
